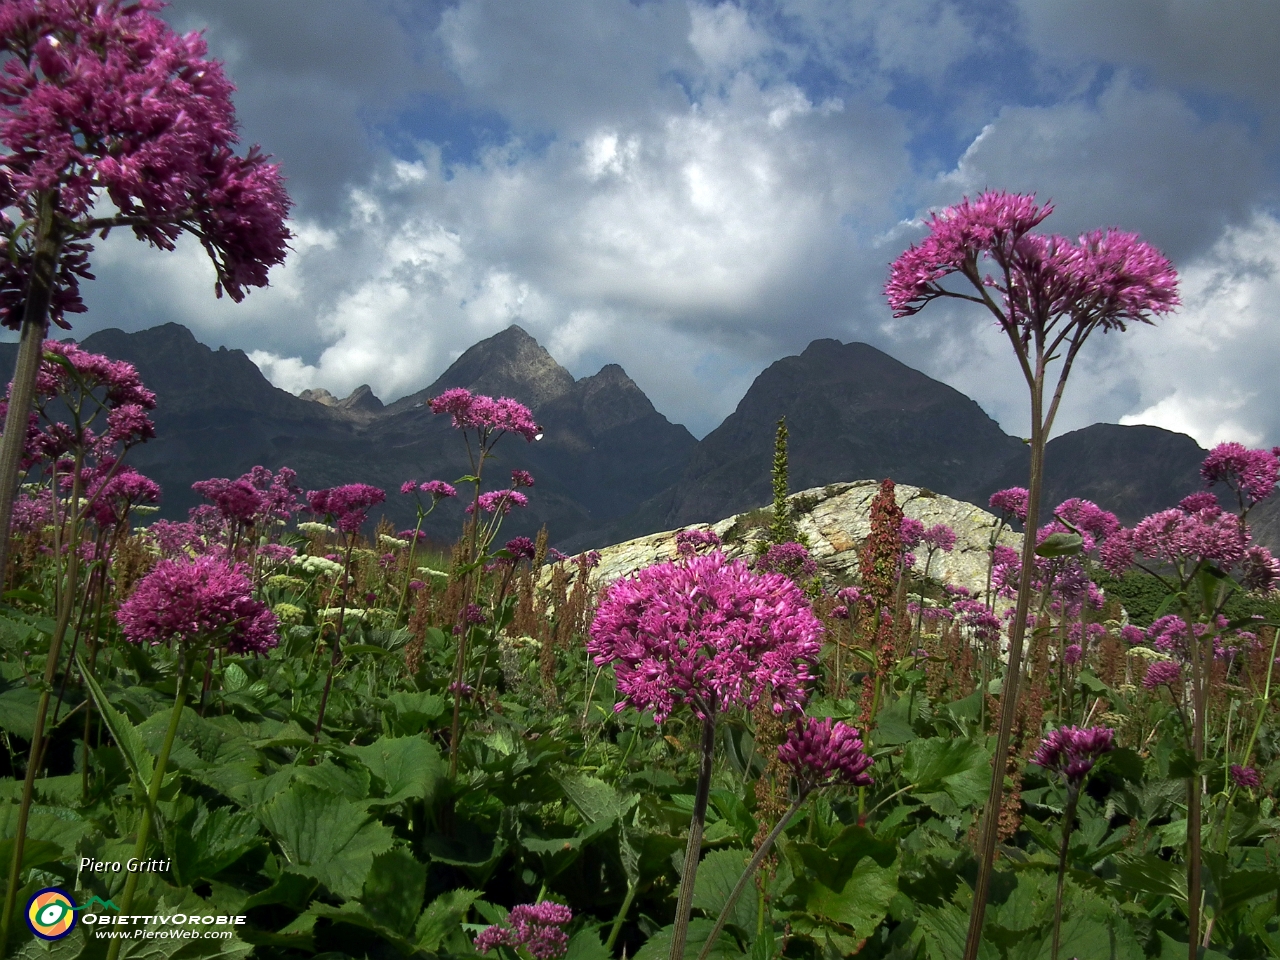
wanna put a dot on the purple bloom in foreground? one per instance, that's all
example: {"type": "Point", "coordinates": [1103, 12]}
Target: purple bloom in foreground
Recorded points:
{"type": "Point", "coordinates": [535, 926]}
{"type": "Point", "coordinates": [485, 414]}
{"type": "Point", "coordinates": [1252, 473]}
{"type": "Point", "coordinates": [1072, 655]}
{"type": "Point", "coordinates": [500, 501]}
{"type": "Point", "coordinates": [205, 600]}
{"type": "Point", "coordinates": [521, 548]}
{"type": "Point", "coordinates": [348, 505]}
{"type": "Point", "coordinates": [1072, 751]}
{"type": "Point", "coordinates": [822, 752]}
{"type": "Point", "coordinates": [1246, 777]}
{"type": "Point", "coordinates": [709, 632]}
{"type": "Point", "coordinates": [1012, 501]}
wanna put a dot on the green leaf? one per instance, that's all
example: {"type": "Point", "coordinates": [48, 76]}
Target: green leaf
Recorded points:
{"type": "Point", "coordinates": [960, 768]}
{"type": "Point", "coordinates": [1171, 949]}
{"type": "Point", "coordinates": [595, 800]}
{"type": "Point", "coordinates": [658, 946]}
{"type": "Point", "coordinates": [1244, 885]}
{"type": "Point", "coordinates": [861, 903]}
{"type": "Point", "coordinates": [1060, 545]}
{"type": "Point", "coordinates": [945, 928]}
{"type": "Point", "coordinates": [407, 768]}
{"type": "Point", "coordinates": [206, 842]}
{"type": "Point", "coordinates": [443, 917]}
{"type": "Point", "coordinates": [18, 707]}
{"type": "Point", "coordinates": [1150, 874]}
{"type": "Point", "coordinates": [332, 778]}
{"type": "Point", "coordinates": [124, 733]}
{"type": "Point", "coordinates": [413, 712]}
{"type": "Point", "coordinates": [291, 889]}
{"type": "Point", "coordinates": [586, 945]}
{"type": "Point", "coordinates": [326, 837]}
{"type": "Point", "coordinates": [718, 873]}
{"type": "Point", "coordinates": [394, 890]}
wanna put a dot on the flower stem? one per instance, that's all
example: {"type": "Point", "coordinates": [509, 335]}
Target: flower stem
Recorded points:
{"type": "Point", "coordinates": [1068, 821]}
{"type": "Point", "coordinates": [633, 888]}
{"type": "Point", "coordinates": [748, 873]}
{"type": "Point", "coordinates": [684, 903]}
{"type": "Point", "coordinates": [153, 793]}
{"type": "Point", "coordinates": [337, 640]}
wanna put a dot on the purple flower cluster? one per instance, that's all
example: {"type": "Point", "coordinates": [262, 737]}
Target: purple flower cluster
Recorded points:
{"type": "Point", "coordinates": [789, 559]}
{"type": "Point", "coordinates": [1246, 777]}
{"type": "Point", "coordinates": [708, 632]}
{"type": "Point", "coordinates": [110, 500]}
{"type": "Point", "coordinates": [103, 98]}
{"type": "Point", "coordinates": [436, 489]}
{"type": "Point", "coordinates": [912, 532]}
{"type": "Point", "coordinates": [939, 537]}
{"type": "Point", "coordinates": [255, 498]}
{"type": "Point", "coordinates": [823, 752]}
{"type": "Point", "coordinates": [538, 927]}
{"type": "Point", "coordinates": [521, 478]}
{"type": "Point", "coordinates": [1252, 474]}
{"type": "Point", "coordinates": [1104, 279]}
{"type": "Point", "coordinates": [348, 505]}
{"type": "Point", "coordinates": [1072, 751]}
{"type": "Point", "coordinates": [689, 542]}
{"type": "Point", "coordinates": [1011, 502]}
{"type": "Point", "coordinates": [204, 600]}
{"type": "Point", "coordinates": [521, 548]}
{"type": "Point", "coordinates": [485, 414]}
{"type": "Point", "coordinates": [1163, 673]}
{"type": "Point", "coordinates": [499, 501]}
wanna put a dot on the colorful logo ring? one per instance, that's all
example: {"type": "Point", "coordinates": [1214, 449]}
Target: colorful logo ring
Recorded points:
{"type": "Point", "coordinates": [51, 914]}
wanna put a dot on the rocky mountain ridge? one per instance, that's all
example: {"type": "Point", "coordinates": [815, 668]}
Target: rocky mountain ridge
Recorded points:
{"type": "Point", "coordinates": [610, 467]}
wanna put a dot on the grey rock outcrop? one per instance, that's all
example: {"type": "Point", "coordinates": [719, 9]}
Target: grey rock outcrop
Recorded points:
{"type": "Point", "coordinates": [836, 519]}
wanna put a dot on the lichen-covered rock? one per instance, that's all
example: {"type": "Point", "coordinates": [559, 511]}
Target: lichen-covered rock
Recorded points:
{"type": "Point", "coordinates": [836, 520]}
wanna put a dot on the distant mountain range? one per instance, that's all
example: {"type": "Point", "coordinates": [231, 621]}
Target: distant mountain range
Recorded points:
{"type": "Point", "coordinates": [611, 467]}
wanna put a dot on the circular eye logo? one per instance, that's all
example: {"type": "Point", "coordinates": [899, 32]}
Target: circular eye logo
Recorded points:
{"type": "Point", "coordinates": [51, 914]}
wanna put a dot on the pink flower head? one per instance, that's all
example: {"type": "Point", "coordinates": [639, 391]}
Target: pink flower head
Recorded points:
{"type": "Point", "coordinates": [1163, 673]}
{"type": "Point", "coordinates": [1011, 502]}
{"type": "Point", "coordinates": [1072, 751]}
{"type": "Point", "coordinates": [840, 612]}
{"type": "Point", "coordinates": [977, 617]}
{"type": "Point", "coordinates": [940, 537]}
{"type": "Point", "coordinates": [204, 600]}
{"type": "Point", "coordinates": [1072, 655]}
{"type": "Point", "coordinates": [1132, 635]}
{"type": "Point", "coordinates": [521, 548]}
{"type": "Point", "coordinates": [110, 502]}
{"type": "Point", "coordinates": [1174, 535]}
{"type": "Point", "coordinates": [1261, 571]}
{"type": "Point", "coordinates": [348, 505]}
{"type": "Point", "coordinates": [102, 101]}
{"type": "Point", "coordinates": [237, 500]}
{"type": "Point", "coordinates": [521, 478]}
{"type": "Point", "coordinates": [911, 532]}
{"type": "Point", "coordinates": [790, 559]}
{"type": "Point", "coordinates": [409, 486]}
{"type": "Point", "coordinates": [500, 501]}
{"type": "Point", "coordinates": [1103, 279]}
{"type": "Point", "coordinates": [438, 489]}
{"type": "Point", "coordinates": [689, 542]}
{"type": "Point", "coordinates": [538, 927]}
{"type": "Point", "coordinates": [1196, 502]}
{"type": "Point", "coordinates": [709, 632]}
{"type": "Point", "coordinates": [1089, 519]}
{"type": "Point", "coordinates": [1246, 777]}
{"type": "Point", "coordinates": [1251, 473]}
{"type": "Point", "coordinates": [588, 561]}
{"type": "Point", "coordinates": [822, 752]}
{"type": "Point", "coordinates": [485, 414]}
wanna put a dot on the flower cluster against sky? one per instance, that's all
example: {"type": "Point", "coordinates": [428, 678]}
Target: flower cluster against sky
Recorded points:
{"type": "Point", "coordinates": [694, 189]}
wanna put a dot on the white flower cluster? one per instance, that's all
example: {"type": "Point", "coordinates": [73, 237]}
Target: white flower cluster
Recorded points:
{"type": "Point", "coordinates": [392, 543]}
{"type": "Point", "coordinates": [318, 565]}
{"type": "Point", "coordinates": [313, 529]}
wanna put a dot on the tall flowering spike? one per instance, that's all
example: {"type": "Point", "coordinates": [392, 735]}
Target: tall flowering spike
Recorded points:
{"type": "Point", "coordinates": [708, 632]}
{"type": "Point", "coordinates": [823, 752]}
{"type": "Point", "coordinates": [1072, 751]}
{"type": "Point", "coordinates": [880, 558]}
{"type": "Point", "coordinates": [1252, 474]}
{"type": "Point", "coordinates": [201, 601]}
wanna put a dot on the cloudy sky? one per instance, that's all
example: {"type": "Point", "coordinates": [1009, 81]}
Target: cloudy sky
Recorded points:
{"type": "Point", "coordinates": [695, 190]}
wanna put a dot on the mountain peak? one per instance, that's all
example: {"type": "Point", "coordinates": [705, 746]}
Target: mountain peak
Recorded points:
{"type": "Point", "coordinates": [508, 364]}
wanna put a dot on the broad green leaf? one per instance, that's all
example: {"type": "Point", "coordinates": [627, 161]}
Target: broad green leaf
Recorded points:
{"type": "Point", "coordinates": [1244, 885]}
{"type": "Point", "coordinates": [718, 873]}
{"type": "Point", "coordinates": [326, 837]}
{"type": "Point", "coordinates": [1150, 874]}
{"type": "Point", "coordinates": [595, 800]}
{"type": "Point", "coordinates": [123, 732]}
{"type": "Point", "coordinates": [394, 890]}
{"type": "Point", "coordinates": [18, 707]}
{"type": "Point", "coordinates": [893, 725]}
{"type": "Point", "coordinates": [944, 934]}
{"type": "Point", "coordinates": [1171, 949]}
{"type": "Point", "coordinates": [291, 890]}
{"type": "Point", "coordinates": [332, 778]}
{"type": "Point", "coordinates": [861, 903]}
{"type": "Point", "coordinates": [206, 842]}
{"type": "Point", "coordinates": [960, 768]}
{"type": "Point", "coordinates": [413, 712]}
{"type": "Point", "coordinates": [1060, 545]}
{"type": "Point", "coordinates": [443, 917]}
{"type": "Point", "coordinates": [408, 768]}
{"type": "Point", "coordinates": [658, 946]}
{"type": "Point", "coordinates": [586, 945]}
